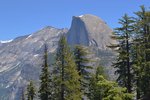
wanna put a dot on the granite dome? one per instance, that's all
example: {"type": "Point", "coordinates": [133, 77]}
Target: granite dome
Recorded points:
{"type": "Point", "coordinates": [89, 30]}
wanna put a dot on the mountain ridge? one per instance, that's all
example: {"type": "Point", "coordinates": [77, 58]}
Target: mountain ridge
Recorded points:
{"type": "Point", "coordinates": [21, 58]}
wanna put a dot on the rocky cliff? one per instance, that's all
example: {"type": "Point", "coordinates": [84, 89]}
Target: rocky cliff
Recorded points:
{"type": "Point", "coordinates": [21, 58]}
{"type": "Point", "coordinates": [89, 30]}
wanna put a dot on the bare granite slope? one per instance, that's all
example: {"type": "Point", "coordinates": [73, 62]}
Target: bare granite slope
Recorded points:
{"type": "Point", "coordinates": [21, 58]}
{"type": "Point", "coordinates": [89, 30]}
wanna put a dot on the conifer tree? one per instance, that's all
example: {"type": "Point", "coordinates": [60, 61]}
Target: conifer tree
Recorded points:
{"type": "Point", "coordinates": [45, 89]}
{"type": "Point", "coordinates": [109, 90]}
{"type": "Point", "coordinates": [30, 91]}
{"type": "Point", "coordinates": [22, 95]}
{"type": "Point", "coordinates": [103, 89]}
{"type": "Point", "coordinates": [66, 76]}
{"type": "Point", "coordinates": [123, 62]}
{"type": "Point", "coordinates": [142, 60]}
{"type": "Point", "coordinates": [94, 91]}
{"type": "Point", "coordinates": [137, 66]}
{"type": "Point", "coordinates": [83, 66]}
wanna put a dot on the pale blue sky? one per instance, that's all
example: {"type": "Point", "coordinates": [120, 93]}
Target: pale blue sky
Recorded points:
{"type": "Point", "coordinates": [21, 17]}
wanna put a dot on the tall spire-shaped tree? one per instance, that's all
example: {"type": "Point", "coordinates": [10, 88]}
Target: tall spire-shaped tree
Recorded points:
{"type": "Point", "coordinates": [94, 91]}
{"type": "Point", "coordinates": [123, 62]}
{"type": "Point", "coordinates": [142, 59]}
{"type": "Point", "coordinates": [22, 94]}
{"type": "Point", "coordinates": [67, 77]}
{"type": "Point", "coordinates": [45, 90]}
{"type": "Point", "coordinates": [30, 91]}
{"type": "Point", "coordinates": [84, 67]}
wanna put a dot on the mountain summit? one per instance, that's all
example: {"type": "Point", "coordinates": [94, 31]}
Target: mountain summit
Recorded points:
{"type": "Point", "coordinates": [21, 58]}
{"type": "Point", "coordinates": [89, 30]}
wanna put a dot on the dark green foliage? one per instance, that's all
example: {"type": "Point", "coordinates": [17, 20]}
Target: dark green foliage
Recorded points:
{"type": "Point", "coordinates": [141, 55]}
{"type": "Point", "coordinates": [102, 89]}
{"type": "Point", "coordinates": [94, 91]}
{"type": "Point", "coordinates": [84, 67]}
{"type": "Point", "coordinates": [30, 91]}
{"type": "Point", "coordinates": [100, 71]}
{"type": "Point", "coordinates": [22, 95]}
{"type": "Point", "coordinates": [123, 48]}
{"type": "Point", "coordinates": [137, 66]}
{"type": "Point", "coordinates": [67, 84]}
{"type": "Point", "coordinates": [45, 90]}
{"type": "Point", "coordinates": [133, 48]}
{"type": "Point", "coordinates": [111, 91]}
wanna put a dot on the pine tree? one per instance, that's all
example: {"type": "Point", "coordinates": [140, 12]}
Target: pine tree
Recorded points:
{"type": "Point", "coordinates": [30, 91]}
{"type": "Point", "coordinates": [45, 90]}
{"type": "Point", "coordinates": [109, 90]}
{"type": "Point", "coordinates": [137, 66]}
{"type": "Point", "coordinates": [94, 91]}
{"type": "Point", "coordinates": [142, 60]}
{"type": "Point", "coordinates": [83, 66]}
{"type": "Point", "coordinates": [66, 76]}
{"type": "Point", "coordinates": [22, 94]}
{"type": "Point", "coordinates": [123, 62]}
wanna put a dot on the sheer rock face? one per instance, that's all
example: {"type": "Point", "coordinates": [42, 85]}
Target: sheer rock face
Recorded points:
{"type": "Point", "coordinates": [21, 58]}
{"type": "Point", "coordinates": [89, 30]}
